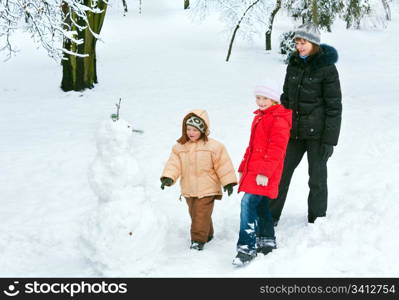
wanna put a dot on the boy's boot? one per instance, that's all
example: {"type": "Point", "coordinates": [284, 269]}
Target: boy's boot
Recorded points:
{"type": "Point", "coordinates": [197, 245]}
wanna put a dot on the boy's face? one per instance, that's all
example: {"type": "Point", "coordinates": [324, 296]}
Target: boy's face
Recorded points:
{"type": "Point", "coordinates": [263, 102]}
{"type": "Point", "coordinates": [303, 46]}
{"type": "Point", "coordinates": [193, 133]}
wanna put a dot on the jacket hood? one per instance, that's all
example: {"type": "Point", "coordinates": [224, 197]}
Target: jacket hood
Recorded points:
{"type": "Point", "coordinates": [202, 114]}
{"type": "Point", "coordinates": [327, 56]}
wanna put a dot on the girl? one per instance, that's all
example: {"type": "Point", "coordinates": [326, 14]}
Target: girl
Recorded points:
{"type": "Point", "coordinates": [260, 173]}
{"type": "Point", "coordinates": [204, 165]}
{"type": "Point", "coordinates": [312, 90]}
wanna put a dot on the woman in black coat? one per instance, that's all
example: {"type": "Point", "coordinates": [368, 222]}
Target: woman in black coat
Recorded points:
{"type": "Point", "coordinates": [312, 90]}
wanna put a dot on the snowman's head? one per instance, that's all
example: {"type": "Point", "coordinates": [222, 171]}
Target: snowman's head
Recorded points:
{"type": "Point", "coordinates": [115, 137]}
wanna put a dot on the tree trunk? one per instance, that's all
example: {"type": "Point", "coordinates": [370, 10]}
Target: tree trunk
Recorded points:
{"type": "Point", "coordinates": [236, 29]}
{"type": "Point", "coordinates": [67, 81]}
{"type": "Point", "coordinates": [268, 34]}
{"type": "Point", "coordinates": [124, 7]}
{"type": "Point", "coordinates": [80, 72]}
{"type": "Point", "coordinates": [315, 13]}
{"type": "Point", "coordinates": [186, 4]}
{"type": "Point", "coordinates": [387, 10]}
{"type": "Point", "coordinates": [231, 42]}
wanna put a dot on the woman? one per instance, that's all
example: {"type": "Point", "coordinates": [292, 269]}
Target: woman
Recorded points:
{"type": "Point", "coordinates": [312, 90]}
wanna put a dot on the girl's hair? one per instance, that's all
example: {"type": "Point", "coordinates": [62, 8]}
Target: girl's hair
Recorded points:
{"type": "Point", "coordinates": [315, 49]}
{"type": "Point", "coordinates": [184, 138]}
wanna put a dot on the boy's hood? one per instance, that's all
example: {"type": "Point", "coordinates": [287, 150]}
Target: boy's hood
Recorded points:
{"type": "Point", "coordinates": [202, 114]}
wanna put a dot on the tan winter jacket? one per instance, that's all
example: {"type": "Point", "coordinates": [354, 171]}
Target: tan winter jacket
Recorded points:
{"type": "Point", "coordinates": [203, 166]}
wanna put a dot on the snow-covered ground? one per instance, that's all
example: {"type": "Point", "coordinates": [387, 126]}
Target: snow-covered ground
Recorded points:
{"type": "Point", "coordinates": [162, 65]}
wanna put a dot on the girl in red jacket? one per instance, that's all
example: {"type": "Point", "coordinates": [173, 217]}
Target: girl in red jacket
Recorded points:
{"type": "Point", "coordinates": [260, 172]}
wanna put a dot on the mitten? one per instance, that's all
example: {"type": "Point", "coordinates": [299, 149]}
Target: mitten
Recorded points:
{"type": "Point", "coordinates": [261, 180]}
{"type": "Point", "coordinates": [229, 188]}
{"type": "Point", "coordinates": [166, 181]}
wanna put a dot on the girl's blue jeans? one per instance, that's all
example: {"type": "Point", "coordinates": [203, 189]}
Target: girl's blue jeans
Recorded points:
{"type": "Point", "coordinates": [255, 221]}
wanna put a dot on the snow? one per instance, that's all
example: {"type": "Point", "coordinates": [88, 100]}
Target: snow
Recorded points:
{"type": "Point", "coordinates": [61, 218]}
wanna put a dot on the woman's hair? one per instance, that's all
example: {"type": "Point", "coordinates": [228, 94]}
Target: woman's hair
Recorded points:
{"type": "Point", "coordinates": [315, 48]}
{"type": "Point", "coordinates": [184, 138]}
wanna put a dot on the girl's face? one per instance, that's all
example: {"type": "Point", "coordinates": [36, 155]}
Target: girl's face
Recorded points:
{"type": "Point", "coordinates": [304, 47]}
{"type": "Point", "coordinates": [263, 102]}
{"type": "Point", "coordinates": [193, 133]}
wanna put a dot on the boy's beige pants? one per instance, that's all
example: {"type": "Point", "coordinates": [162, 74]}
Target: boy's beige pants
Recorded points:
{"type": "Point", "coordinates": [200, 210]}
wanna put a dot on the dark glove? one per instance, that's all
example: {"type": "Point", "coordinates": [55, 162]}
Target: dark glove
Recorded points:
{"type": "Point", "coordinates": [326, 151]}
{"type": "Point", "coordinates": [166, 181]}
{"type": "Point", "coordinates": [229, 188]}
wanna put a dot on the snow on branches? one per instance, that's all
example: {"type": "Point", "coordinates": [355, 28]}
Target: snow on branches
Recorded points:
{"type": "Point", "coordinates": [252, 21]}
{"type": "Point", "coordinates": [45, 21]}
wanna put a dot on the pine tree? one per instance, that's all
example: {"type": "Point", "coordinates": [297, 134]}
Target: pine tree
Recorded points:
{"type": "Point", "coordinates": [354, 11]}
{"type": "Point", "coordinates": [327, 12]}
{"type": "Point", "coordinates": [320, 12]}
{"type": "Point", "coordinates": [287, 44]}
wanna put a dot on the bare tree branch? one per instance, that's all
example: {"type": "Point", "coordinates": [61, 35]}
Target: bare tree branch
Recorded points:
{"type": "Point", "coordinates": [237, 27]}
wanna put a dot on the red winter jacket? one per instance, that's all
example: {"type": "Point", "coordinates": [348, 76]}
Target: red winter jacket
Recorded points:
{"type": "Point", "coordinates": [265, 154]}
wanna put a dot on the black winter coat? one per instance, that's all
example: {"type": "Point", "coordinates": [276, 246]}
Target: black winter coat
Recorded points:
{"type": "Point", "coordinates": [312, 90]}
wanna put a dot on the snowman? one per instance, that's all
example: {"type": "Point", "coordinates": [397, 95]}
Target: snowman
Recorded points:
{"type": "Point", "coordinates": [124, 227]}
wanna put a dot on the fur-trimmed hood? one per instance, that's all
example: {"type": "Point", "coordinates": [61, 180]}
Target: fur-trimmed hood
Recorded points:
{"type": "Point", "coordinates": [327, 56]}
